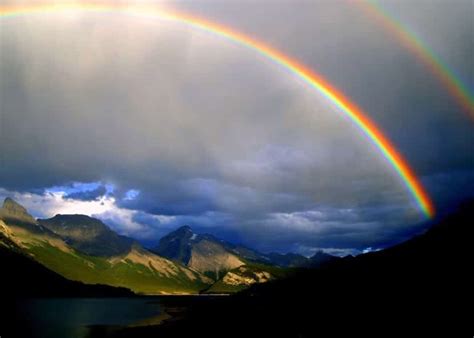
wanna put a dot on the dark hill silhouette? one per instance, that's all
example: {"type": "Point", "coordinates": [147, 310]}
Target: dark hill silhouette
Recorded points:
{"type": "Point", "coordinates": [417, 288]}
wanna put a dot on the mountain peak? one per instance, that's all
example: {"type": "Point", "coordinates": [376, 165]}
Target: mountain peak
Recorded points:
{"type": "Point", "coordinates": [321, 258]}
{"type": "Point", "coordinates": [77, 218]}
{"type": "Point", "coordinates": [320, 254]}
{"type": "Point", "coordinates": [11, 204]}
{"type": "Point", "coordinates": [88, 234]}
{"type": "Point", "coordinates": [176, 245]}
{"type": "Point", "coordinates": [184, 229]}
{"type": "Point", "coordinates": [13, 211]}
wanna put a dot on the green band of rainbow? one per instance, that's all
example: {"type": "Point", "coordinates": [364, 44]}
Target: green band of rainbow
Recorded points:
{"type": "Point", "coordinates": [414, 44]}
{"type": "Point", "coordinates": [348, 108]}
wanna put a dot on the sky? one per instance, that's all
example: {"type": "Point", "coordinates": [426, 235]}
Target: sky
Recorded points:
{"type": "Point", "coordinates": [151, 125]}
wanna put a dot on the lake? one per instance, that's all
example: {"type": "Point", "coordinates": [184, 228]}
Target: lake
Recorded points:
{"type": "Point", "coordinates": [71, 317]}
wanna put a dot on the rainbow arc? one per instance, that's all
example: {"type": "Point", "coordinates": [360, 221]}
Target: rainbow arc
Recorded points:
{"type": "Point", "coordinates": [314, 80]}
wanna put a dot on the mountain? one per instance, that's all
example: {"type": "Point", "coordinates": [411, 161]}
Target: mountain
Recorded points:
{"type": "Point", "coordinates": [321, 258]}
{"type": "Point", "coordinates": [203, 253]}
{"type": "Point", "coordinates": [233, 267]}
{"type": "Point", "coordinates": [179, 244]}
{"type": "Point", "coordinates": [58, 245]}
{"type": "Point", "coordinates": [88, 235]}
{"type": "Point", "coordinates": [292, 260]}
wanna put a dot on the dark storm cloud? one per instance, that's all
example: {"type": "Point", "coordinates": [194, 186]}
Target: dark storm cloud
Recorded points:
{"type": "Point", "coordinates": [212, 135]}
{"type": "Point", "coordinates": [88, 195]}
{"type": "Point", "coordinates": [216, 223]}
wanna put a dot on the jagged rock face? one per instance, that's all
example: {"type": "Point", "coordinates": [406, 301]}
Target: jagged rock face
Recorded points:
{"type": "Point", "coordinates": [244, 276]}
{"type": "Point", "coordinates": [88, 235]}
{"type": "Point", "coordinates": [155, 263]}
{"type": "Point", "coordinates": [14, 212]}
{"type": "Point", "coordinates": [177, 245]}
{"type": "Point", "coordinates": [210, 256]}
{"type": "Point", "coordinates": [202, 253]}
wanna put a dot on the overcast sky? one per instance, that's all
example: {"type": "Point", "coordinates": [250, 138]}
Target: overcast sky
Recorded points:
{"type": "Point", "coordinates": [150, 125]}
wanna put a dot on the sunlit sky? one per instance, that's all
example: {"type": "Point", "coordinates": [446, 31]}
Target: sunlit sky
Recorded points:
{"type": "Point", "coordinates": [150, 125]}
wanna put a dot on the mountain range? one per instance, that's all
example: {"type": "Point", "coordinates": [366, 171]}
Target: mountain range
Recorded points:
{"type": "Point", "coordinates": [84, 249]}
{"type": "Point", "coordinates": [206, 253]}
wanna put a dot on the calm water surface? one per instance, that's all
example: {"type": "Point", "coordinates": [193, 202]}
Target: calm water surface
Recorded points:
{"type": "Point", "coordinates": [70, 317]}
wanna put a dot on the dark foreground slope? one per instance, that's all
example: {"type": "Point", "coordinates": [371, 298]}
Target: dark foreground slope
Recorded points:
{"type": "Point", "coordinates": [417, 288]}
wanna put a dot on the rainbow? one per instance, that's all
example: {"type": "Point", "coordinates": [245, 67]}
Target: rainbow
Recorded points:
{"type": "Point", "coordinates": [348, 108]}
{"type": "Point", "coordinates": [414, 44]}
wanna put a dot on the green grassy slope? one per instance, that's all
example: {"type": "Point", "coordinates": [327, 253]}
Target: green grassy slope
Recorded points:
{"type": "Point", "coordinates": [97, 270]}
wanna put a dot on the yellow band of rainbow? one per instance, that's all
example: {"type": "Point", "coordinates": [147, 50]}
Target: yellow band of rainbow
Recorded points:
{"type": "Point", "coordinates": [348, 108]}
